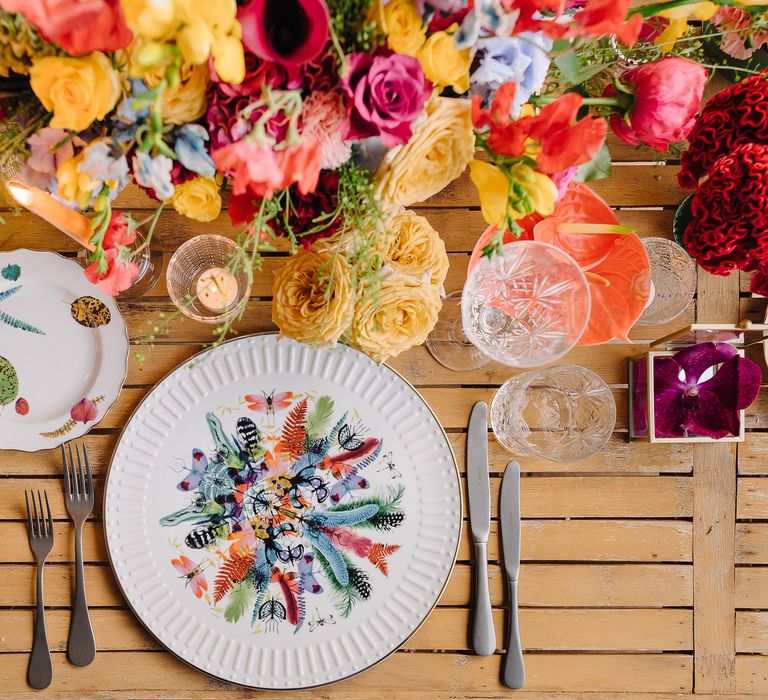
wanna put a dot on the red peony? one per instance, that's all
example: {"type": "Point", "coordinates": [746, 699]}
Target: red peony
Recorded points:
{"type": "Point", "coordinates": [729, 230]}
{"type": "Point", "coordinates": [737, 115]}
{"type": "Point", "coordinates": [666, 96]}
{"type": "Point", "coordinates": [303, 214]}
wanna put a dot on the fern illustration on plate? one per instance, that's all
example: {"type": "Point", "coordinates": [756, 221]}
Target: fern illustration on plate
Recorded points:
{"type": "Point", "coordinates": [289, 513]}
{"type": "Point", "coordinates": [12, 321]}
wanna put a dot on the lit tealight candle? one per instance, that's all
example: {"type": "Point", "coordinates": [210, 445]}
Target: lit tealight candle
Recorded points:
{"type": "Point", "coordinates": [216, 288]}
{"type": "Point", "coordinates": [71, 222]}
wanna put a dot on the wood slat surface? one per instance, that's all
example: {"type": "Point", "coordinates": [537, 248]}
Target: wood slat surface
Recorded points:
{"type": "Point", "coordinates": [645, 567]}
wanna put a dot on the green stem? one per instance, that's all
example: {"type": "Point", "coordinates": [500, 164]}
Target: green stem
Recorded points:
{"type": "Point", "coordinates": [650, 10]}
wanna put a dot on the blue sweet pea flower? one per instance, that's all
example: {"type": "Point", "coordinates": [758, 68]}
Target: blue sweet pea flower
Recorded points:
{"type": "Point", "coordinates": [132, 110]}
{"type": "Point", "coordinates": [100, 164]}
{"type": "Point", "coordinates": [191, 152]}
{"type": "Point", "coordinates": [154, 173]}
{"type": "Point", "coordinates": [522, 59]}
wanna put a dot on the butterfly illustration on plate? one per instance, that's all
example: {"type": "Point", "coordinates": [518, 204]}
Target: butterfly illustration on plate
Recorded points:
{"type": "Point", "coordinates": [269, 403]}
{"type": "Point", "coordinates": [193, 573]}
{"type": "Point", "coordinates": [272, 613]}
{"type": "Point", "coordinates": [192, 480]}
{"type": "Point", "coordinates": [290, 554]}
{"type": "Point", "coordinates": [317, 621]}
{"type": "Point", "coordinates": [351, 436]}
{"type": "Point", "coordinates": [390, 467]}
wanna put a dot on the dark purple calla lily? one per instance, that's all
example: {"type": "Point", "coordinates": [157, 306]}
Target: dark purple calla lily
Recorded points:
{"type": "Point", "coordinates": [708, 408]}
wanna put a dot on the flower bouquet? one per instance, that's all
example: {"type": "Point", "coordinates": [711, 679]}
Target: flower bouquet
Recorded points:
{"type": "Point", "coordinates": [320, 121]}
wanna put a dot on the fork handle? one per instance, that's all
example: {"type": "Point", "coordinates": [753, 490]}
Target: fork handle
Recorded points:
{"type": "Point", "coordinates": [40, 672]}
{"type": "Point", "coordinates": [81, 646]}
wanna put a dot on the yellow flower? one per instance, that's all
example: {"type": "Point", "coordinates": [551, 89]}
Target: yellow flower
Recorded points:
{"type": "Point", "coordinates": [402, 24]}
{"type": "Point", "coordinates": [416, 248]}
{"type": "Point", "coordinates": [494, 191]}
{"type": "Point", "coordinates": [443, 63]}
{"type": "Point", "coordinates": [77, 90]}
{"type": "Point", "coordinates": [301, 308]}
{"type": "Point", "coordinates": [187, 102]}
{"type": "Point", "coordinates": [198, 199]}
{"type": "Point", "coordinates": [439, 150]}
{"type": "Point", "coordinates": [678, 22]}
{"type": "Point", "coordinates": [75, 187]}
{"type": "Point", "coordinates": [150, 18]}
{"type": "Point", "coordinates": [397, 315]}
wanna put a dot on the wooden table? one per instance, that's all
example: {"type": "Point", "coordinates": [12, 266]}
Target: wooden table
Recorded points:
{"type": "Point", "coordinates": [645, 567]}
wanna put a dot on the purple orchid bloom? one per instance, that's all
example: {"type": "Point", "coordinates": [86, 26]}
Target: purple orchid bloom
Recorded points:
{"type": "Point", "coordinates": [707, 408]}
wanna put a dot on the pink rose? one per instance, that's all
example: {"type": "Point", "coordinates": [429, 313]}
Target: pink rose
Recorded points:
{"type": "Point", "coordinates": [77, 26]}
{"type": "Point", "coordinates": [385, 94]}
{"type": "Point", "coordinates": [666, 95]}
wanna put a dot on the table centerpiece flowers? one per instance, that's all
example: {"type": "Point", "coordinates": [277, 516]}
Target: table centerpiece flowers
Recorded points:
{"type": "Point", "coordinates": [317, 123]}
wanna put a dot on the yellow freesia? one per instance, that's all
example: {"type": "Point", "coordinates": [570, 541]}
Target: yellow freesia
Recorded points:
{"type": "Point", "coordinates": [75, 187]}
{"type": "Point", "coordinates": [678, 22]}
{"type": "Point", "coordinates": [497, 200]}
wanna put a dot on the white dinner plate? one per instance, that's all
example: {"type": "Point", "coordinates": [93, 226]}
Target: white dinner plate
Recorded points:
{"type": "Point", "coordinates": [63, 351]}
{"type": "Point", "coordinates": [280, 516]}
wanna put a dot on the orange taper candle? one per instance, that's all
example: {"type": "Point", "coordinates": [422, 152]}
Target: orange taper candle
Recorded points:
{"type": "Point", "coordinates": [71, 222]}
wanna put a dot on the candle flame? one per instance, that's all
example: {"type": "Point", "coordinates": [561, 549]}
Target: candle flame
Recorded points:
{"type": "Point", "coordinates": [20, 193]}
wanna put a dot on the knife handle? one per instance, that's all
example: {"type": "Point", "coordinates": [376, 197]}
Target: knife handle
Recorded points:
{"type": "Point", "coordinates": [513, 669]}
{"type": "Point", "coordinates": [483, 634]}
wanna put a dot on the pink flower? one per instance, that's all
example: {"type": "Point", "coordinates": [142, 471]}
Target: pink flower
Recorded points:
{"type": "Point", "coordinates": [120, 274]}
{"type": "Point", "coordinates": [385, 94]}
{"type": "Point", "coordinates": [322, 115]}
{"type": "Point", "coordinates": [260, 170]}
{"type": "Point", "coordinates": [44, 157]}
{"type": "Point", "coordinates": [735, 23]}
{"type": "Point", "coordinates": [119, 232]}
{"type": "Point", "coordinates": [288, 32]}
{"type": "Point", "coordinates": [666, 97]}
{"type": "Point", "coordinates": [77, 26]}
{"type": "Point", "coordinates": [83, 411]}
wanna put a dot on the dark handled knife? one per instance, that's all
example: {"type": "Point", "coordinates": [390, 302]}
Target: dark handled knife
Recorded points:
{"type": "Point", "coordinates": [513, 669]}
{"type": "Point", "coordinates": [479, 487]}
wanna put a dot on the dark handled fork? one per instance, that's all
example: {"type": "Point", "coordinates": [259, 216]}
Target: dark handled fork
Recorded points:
{"type": "Point", "coordinates": [40, 531]}
{"type": "Point", "coordinates": [79, 498]}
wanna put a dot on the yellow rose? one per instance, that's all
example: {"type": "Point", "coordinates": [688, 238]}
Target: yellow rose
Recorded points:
{"type": "Point", "coordinates": [300, 308]}
{"type": "Point", "coordinates": [402, 24]}
{"type": "Point", "coordinates": [416, 248]}
{"type": "Point", "coordinates": [187, 102]}
{"type": "Point", "coordinates": [498, 200]}
{"type": "Point", "coordinates": [77, 90]}
{"type": "Point", "coordinates": [150, 18]}
{"type": "Point", "coordinates": [397, 315]}
{"type": "Point", "coordinates": [198, 199]}
{"type": "Point", "coordinates": [443, 63]}
{"type": "Point", "coordinates": [439, 150]}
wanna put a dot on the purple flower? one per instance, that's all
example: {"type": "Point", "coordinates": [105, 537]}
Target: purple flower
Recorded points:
{"type": "Point", "coordinates": [44, 157]}
{"type": "Point", "coordinates": [385, 93]}
{"type": "Point", "coordinates": [684, 404]}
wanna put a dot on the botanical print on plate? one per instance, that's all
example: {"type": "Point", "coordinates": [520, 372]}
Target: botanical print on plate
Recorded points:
{"type": "Point", "coordinates": [282, 519]}
{"type": "Point", "coordinates": [11, 273]}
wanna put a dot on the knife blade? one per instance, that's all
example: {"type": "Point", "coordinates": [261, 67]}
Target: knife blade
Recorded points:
{"type": "Point", "coordinates": [479, 487]}
{"type": "Point", "coordinates": [513, 670]}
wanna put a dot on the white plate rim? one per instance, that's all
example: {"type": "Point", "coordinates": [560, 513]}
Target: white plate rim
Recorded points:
{"type": "Point", "coordinates": [461, 513]}
{"type": "Point", "coordinates": [112, 396]}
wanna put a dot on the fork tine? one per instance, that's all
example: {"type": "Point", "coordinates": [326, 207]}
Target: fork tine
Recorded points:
{"type": "Point", "coordinates": [88, 470]}
{"type": "Point", "coordinates": [67, 483]}
{"type": "Point", "coordinates": [43, 524]}
{"type": "Point", "coordinates": [50, 519]}
{"type": "Point", "coordinates": [76, 490]}
{"type": "Point", "coordinates": [83, 489]}
{"type": "Point", "coordinates": [30, 525]}
{"type": "Point", "coordinates": [37, 519]}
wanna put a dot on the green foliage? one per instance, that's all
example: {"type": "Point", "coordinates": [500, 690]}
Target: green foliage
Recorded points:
{"type": "Point", "coordinates": [238, 600]}
{"type": "Point", "coordinates": [597, 168]}
{"type": "Point", "coordinates": [350, 26]}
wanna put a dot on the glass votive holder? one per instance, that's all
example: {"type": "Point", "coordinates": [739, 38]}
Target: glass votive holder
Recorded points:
{"type": "Point", "coordinates": [673, 274]}
{"type": "Point", "coordinates": [203, 283]}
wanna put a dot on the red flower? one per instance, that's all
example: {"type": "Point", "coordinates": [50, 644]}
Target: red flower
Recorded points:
{"type": "Point", "coordinates": [563, 140]}
{"type": "Point", "coordinates": [119, 232]}
{"type": "Point", "coordinates": [76, 26]}
{"type": "Point", "coordinates": [666, 97]}
{"type": "Point", "coordinates": [120, 274]}
{"type": "Point", "coordinates": [729, 230]}
{"type": "Point", "coordinates": [308, 211]}
{"type": "Point", "coordinates": [736, 115]}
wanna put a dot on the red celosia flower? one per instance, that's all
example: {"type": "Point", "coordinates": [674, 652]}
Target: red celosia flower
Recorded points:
{"type": "Point", "coordinates": [308, 211]}
{"type": "Point", "coordinates": [736, 115]}
{"type": "Point", "coordinates": [729, 230]}
{"type": "Point", "coordinates": [666, 95]}
{"type": "Point", "coordinates": [563, 140]}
